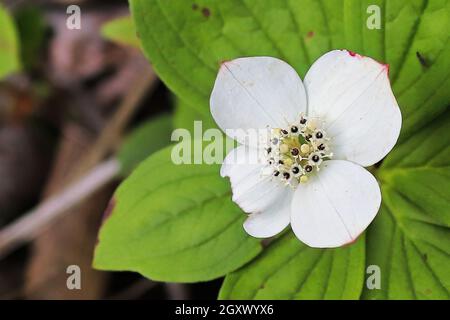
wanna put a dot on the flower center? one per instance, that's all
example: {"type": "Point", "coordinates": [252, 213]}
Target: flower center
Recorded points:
{"type": "Point", "coordinates": [296, 152]}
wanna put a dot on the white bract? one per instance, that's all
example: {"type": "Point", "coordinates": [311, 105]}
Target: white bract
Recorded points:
{"type": "Point", "coordinates": [322, 132]}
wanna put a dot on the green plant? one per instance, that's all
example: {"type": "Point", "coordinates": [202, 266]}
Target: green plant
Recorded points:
{"type": "Point", "coordinates": [178, 223]}
{"type": "Point", "coordinates": [9, 44]}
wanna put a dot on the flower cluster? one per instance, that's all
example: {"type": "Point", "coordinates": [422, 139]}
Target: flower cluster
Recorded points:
{"type": "Point", "coordinates": [294, 153]}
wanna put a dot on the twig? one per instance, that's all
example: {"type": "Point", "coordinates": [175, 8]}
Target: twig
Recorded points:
{"type": "Point", "coordinates": [32, 223]}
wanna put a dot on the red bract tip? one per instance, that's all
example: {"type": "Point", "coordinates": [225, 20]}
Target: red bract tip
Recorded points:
{"type": "Point", "coordinates": [354, 54]}
{"type": "Point", "coordinates": [352, 241]}
{"type": "Point", "coordinates": [386, 67]}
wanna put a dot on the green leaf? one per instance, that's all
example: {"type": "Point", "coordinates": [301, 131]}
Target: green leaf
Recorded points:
{"type": "Point", "coordinates": [185, 116]}
{"type": "Point", "coordinates": [174, 223]}
{"type": "Point", "coordinates": [122, 31]}
{"type": "Point", "coordinates": [9, 46]}
{"type": "Point", "coordinates": [187, 40]}
{"type": "Point", "coordinates": [291, 270]}
{"type": "Point", "coordinates": [32, 28]}
{"type": "Point", "coordinates": [143, 141]}
{"type": "Point", "coordinates": [410, 239]}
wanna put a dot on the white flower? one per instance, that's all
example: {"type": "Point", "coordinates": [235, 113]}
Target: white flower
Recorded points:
{"type": "Point", "coordinates": [322, 133]}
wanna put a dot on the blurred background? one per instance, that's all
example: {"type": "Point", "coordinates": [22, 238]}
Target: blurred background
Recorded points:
{"type": "Point", "coordinates": [63, 115]}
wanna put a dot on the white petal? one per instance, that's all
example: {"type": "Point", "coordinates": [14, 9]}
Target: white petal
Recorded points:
{"type": "Point", "coordinates": [353, 95]}
{"type": "Point", "coordinates": [272, 220]}
{"type": "Point", "coordinates": [252, 191]}
{"type": "Point", "coordinates": [256, 93]}
{"type": "Point", "coordinates": [335, 206]}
